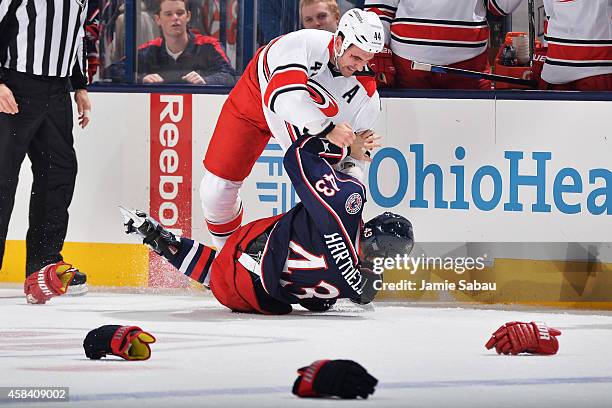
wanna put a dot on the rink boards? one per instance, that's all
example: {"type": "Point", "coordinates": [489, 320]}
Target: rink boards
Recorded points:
{"type": "Point", "coordinates": [480, 171]}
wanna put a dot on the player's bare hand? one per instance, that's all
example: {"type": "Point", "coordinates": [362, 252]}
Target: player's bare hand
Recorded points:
{"type": "Point", "coordinates": [8, 104]}
{"type": "Point", "coordinates": [365, 142]}
{"type": "Point", "coordinates": [152, 79]}
{"type": "Point", "coordinates": [83, 107]}
{"type": "Point", "coordinates": [370, 139]}
{"type": "Point", "coordinates": [342, 135]}
{"type": "Point", "coordinates": [194, 78]}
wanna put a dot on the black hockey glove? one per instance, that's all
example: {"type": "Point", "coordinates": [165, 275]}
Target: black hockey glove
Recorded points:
{"type": "Point", "coordinates": [338, 378]}
{"type": "Point", "coordinates": [127, 342]}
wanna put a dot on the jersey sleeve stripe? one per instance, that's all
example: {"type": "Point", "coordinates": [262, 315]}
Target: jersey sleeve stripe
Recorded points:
{"type": "Point", "coordinates": [435, 43]}
{"type": "Point", "coordinates": [382, 13]}
{"type": "Point", "coordinates": [282, 68]}
{"type": "Point", "coordinates": [280, 91]}
{"type": "Point", "coordinates": [283, 79]}
{"type": "Point", "coordinates": [440, 22]}
{"type": "Point", "coordinates": [579, 53]}
{"type": "Point", "coordinates": [227, 228]}
{"type": "Point", "coordinates": [293, 135]}
{"type": "Point", "coordinates": [440, 33]}
{"type": "Point", "coordinates": [371, 6]}
{"type": "Point", "coordinates": [266, 68]}
{"type": "Point", "coordinates": [203, 265]}
{"type": "Point", "coordinates": [184, 268]}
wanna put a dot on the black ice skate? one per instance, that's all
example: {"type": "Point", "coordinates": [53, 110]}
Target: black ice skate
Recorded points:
{"type": "Point", "coordinates": [78, 285]}
{"type": "Point", "coordinates": [153, 234]}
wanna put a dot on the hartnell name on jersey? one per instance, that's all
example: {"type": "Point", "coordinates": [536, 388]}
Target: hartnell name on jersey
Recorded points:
{"type": "Point", "coordinates": [344, 262]}
{"type": "Point", "coordinates": [515, 183]}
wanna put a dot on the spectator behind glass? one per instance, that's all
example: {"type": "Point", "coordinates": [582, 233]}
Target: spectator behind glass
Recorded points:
{"type": "Point", "coordinates": [180, 56]}
{"type": "Point", "coordinates": [111, 42]}
{"type": "Point", "coordinates": [145, 31]}
{"type": "Point", "coordinates": [92, 35]}
{"type": "Point", "coordinates": [320, 14]}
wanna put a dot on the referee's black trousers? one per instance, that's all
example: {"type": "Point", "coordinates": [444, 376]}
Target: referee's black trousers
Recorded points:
{"type": "Point", "coordinates": [43, 130]}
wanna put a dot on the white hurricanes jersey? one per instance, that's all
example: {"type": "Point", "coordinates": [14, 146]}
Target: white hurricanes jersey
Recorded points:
{"type": "Point", "coordinates": [439, 32]}
{"type": "Point", "coordinates": [301, 92]}
{"type": "Point", "coordinates": [579, 36]}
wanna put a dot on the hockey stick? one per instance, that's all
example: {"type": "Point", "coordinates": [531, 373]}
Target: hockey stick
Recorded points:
{"type": "Point", "coordinates": [440, 69]}
{"type": "Point", "coordinates": [532, 34]}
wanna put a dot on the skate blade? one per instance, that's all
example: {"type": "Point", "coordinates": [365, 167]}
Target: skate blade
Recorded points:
{"type": "Point", "coordinates": [345, 305]}
{"type": "Point", "coordinates": [77, 290]}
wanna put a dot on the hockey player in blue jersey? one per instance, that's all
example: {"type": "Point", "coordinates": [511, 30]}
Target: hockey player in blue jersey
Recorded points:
{"type": "Point", "coordinates": [317, 252]}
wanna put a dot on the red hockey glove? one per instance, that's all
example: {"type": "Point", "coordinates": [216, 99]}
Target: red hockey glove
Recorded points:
{"type": "Point", "coordinates": [127, 342]}
{"type": "Point", "coordinates": [50, 281]}
{"type": "Point", "coordinates": [517, 337]}
{"type": "Point", "coordinates": [382, 65]}
{"type": "Point", "coordinates": [338, 378]}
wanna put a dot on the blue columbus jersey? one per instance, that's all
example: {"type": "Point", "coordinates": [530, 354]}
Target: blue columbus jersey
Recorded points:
{"type": "Point", "coordinates": [312, 251]}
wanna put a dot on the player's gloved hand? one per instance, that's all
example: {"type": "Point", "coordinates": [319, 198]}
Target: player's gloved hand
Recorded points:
{"type": "Point", "coordinates": [337, 378]}
{"type": "Point", "coordinates": [50, 281]}
{"type": "Point", "coordinates": [518, 337]}
{"type": "Point", "coordinates": [127, 342]}
{"type": "Point", "coordinates": [156, 237]}
{"type": "Point", "coordinates": [382, 65]}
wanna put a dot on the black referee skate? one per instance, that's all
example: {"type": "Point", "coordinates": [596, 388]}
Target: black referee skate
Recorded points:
{"type": "Point", "coordinates": [153, 234]}
{"type": "Point", "coordinates": [78, 285]}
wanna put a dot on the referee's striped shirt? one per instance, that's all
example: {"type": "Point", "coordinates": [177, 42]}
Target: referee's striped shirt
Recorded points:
{"type": "Point", "coordinates": [43, 37]}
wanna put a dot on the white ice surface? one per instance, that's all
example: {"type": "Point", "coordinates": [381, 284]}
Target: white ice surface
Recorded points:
{"type": "Point", "coordinates": [206, 356]}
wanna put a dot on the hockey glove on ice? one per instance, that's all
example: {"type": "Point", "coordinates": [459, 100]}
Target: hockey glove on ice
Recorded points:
{"type": "Point", "coordinates": [50, 281]}
{"type": "Point", "coordinates": [337, 378]}
{"type": "Point", "coordinates": [127, 342]}
{"type": "Point", "coordinates": [518, 337]}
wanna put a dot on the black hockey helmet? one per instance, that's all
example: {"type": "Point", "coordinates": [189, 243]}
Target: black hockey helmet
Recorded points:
{"type": "Point", "coordinates": [386, 236]}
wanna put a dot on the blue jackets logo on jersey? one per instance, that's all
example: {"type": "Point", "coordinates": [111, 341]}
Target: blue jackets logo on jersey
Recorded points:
{"type": "Point", "coordinates": [353, 203]}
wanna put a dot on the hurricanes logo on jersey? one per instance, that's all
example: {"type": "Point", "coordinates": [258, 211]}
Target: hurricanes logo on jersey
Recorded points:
{"type": "Point", "coordinates": [323, 98]}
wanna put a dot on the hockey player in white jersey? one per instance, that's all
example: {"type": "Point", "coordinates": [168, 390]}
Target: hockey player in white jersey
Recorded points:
{"type": "Point", "coordinates": [442, 32]}
{"type": "Point", "coordinates": [579, 36]}
{"type": "Point", "coordinates": [307, 82]}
